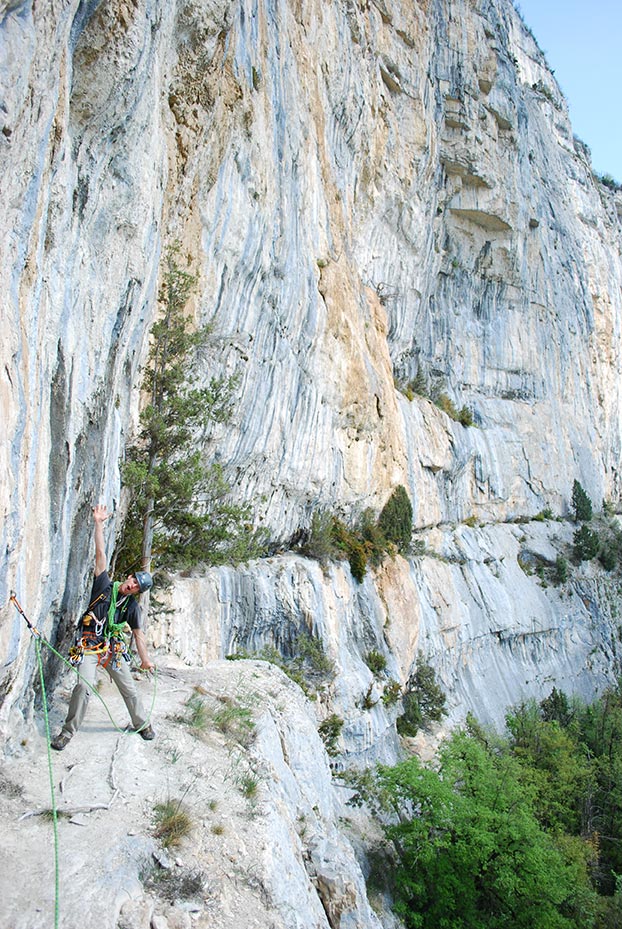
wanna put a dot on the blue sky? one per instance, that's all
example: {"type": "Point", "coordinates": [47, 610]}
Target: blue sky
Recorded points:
{"type": "Point", "coordinates": [583, 45]}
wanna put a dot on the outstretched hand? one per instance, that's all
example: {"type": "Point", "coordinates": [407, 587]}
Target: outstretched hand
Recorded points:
{"type": "Point", "coordinates": [100, 513]}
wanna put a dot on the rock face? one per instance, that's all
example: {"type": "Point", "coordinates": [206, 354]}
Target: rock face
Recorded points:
{"type": "Point", "coordinates": [264, 844]}
{"type": "Point", "coordinates": [371, 193]}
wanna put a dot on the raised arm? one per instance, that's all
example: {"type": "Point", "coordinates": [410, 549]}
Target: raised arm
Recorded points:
{"type": "Point", "coordinates": [100, 515]}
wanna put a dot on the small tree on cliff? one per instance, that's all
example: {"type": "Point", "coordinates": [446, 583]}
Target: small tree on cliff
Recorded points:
{"type": "Point", "coordinates": [581, 504]}
{"type": "Point", "coordinates": [180, 506]}
{"type": "Point", "coordinates": [396, 519]}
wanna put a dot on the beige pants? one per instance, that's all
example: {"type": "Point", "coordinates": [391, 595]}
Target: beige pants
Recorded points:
{"type": "Point", "coordinates": [81, 693]}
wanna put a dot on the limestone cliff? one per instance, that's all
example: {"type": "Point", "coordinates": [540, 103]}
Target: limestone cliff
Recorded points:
{"type": "Point", "coordinates": [367, 190]}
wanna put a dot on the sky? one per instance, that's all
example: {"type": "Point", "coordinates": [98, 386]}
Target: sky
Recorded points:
{"type": "Point", "coordinates": [582, 40]}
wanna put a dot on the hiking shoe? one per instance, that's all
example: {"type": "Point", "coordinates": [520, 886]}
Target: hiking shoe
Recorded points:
{"type": "Point", "coordinates": [60, 741]}
{"type": "Point", "coordinates": [147, 733]}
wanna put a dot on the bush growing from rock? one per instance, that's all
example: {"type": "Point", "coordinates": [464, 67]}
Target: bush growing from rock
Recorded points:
{"type": "Point", "coordinates": [586, 544]}
{"type": "Point", "coordinates": [396, 519]}
{"type": "Point", "coordinates": [376, 662]}
{"type": "Point", "coordinates": [581, 504]}
{"type": "Point", "coordinates": [560, 570]}
{"type": "Point", "coordinates": [330, 730]}
{"type": "Point", "coordinates": [423, 702]}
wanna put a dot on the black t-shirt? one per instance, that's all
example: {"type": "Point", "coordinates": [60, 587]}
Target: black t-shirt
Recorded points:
{"type": "Point", "coordinates": [102, 585]}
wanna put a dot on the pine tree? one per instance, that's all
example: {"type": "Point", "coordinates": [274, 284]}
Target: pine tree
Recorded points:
{"type": "Point", "coordinates": [396, 519]}
{"type": "Point", "coordinates": [180, 506]}
{"type": "Point", "coordinates": [586, 544]}
{"type": "Point", "coordinates": [581, 504]}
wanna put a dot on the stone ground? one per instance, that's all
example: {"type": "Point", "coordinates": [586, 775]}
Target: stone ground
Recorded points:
{"type": "Point", "coordinates": [266, 848]}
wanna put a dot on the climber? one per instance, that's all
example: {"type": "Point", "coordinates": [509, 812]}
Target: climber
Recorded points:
{"type": "Point", "coordinates": [99, 641]}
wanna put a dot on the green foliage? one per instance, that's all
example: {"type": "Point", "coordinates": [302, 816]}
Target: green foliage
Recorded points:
{"type": "Point", "coordinates": [423, 701]}
{"type": "Point", "coordinates": [571, 754]}
{"type": "Point", "coordinates": [320, 543]}
{"type": "Point", "coordinates": [560, 570]}
{"type": "Point", "coordinates": [180, 505]}
{"type": "Point", "coordinates": [519, 831]}
{"type": "Point", "coordinates": [347, 542]}
{"type": "Point", "coordinates": [312, 654]}
{"type": "Point", "coordinates": [444, 403]}
{"type": "Point", "coordinates": [330, 730]}
{"type": "Point", "coordinates": [368, 702]}
{"type": "Point", "coordinates": [368, 542]}
{"type": "Point", "coordinates": [586, 544]}
{"type": "Point", "coordinates": [608, 508]}
{"type": "Point", "coordinates": [608, 557]}
{"type": "Point", "coordinates": [376, 662]}
{"type": "Point", "coordinates": [470, 851]}
{"type": "Point", "coordinates": [396, 518]}
{"type": "Point", "coordinates": [370, 532]}
{"type": "Point", "coordinates": [581, 504]}
{"type": "Point", "coordinates": [556, 708]}
{"type": "Point", "coordinates": [609, 181]}
{"type": "Point", "coordinates": [391, 693]}
{"type": "Point", "coordinates": [419, 385]}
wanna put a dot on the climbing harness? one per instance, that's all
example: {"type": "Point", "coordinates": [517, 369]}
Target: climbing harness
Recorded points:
{"type": "Point", "coordinates": [102, 637]}
{"type": "Point", "coordinates": [71, 663]}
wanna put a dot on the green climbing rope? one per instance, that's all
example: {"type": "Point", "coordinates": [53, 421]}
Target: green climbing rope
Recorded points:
{"type": "Point", "coordinates": [51, 774]}
{"type": "Point", "coordinates": [99, 696]}
{"type": "Point", "coordinates": [38, 640]}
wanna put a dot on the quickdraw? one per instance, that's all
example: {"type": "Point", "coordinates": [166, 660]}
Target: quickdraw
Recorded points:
{"type": "Point", "coordinates": [116, 650]}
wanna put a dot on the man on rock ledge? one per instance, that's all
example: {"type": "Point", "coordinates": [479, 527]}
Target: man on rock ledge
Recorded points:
{"type": "Point", "coordinates": [99, 641]}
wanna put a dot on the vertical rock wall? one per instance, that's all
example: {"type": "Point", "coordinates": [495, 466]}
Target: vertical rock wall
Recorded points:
{"type": "Point", "coordinates": [365, 190]}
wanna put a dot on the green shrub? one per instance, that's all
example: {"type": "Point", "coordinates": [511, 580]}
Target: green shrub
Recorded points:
{"type": "Point", "coordinates": [311, 651]}
{"type": "Point", "coordinates": [330, 730]}
{"type": "Point", "coordinates": [581, 504]}
{"type": "Point", "coordinates": [368, 703]}
{"type": "Point", "coordinates": [465, 416]}
{"type": "Point", "coordinates": [376, 662]}
{"type": "Point", "coordinates": [608, 508]}
{"type": "Point", "coordinates": [586, 544]}
{"type": "Point", "coordinates": [391, 693]}
{"type": "Point", "coordinates": [347, 542]}
{"type": "Point", "coordinates": [423, 701]}
{"type": "Point", "coordinates": [366, 543]}
{"type": "Point", "coordinates": [608, 558]}
{"type": "Point", "coordinates": [374, 540]}
{"type": "Point", "coordinates": [396, 519]}
{"type": "Point", "coordinates": [320, 544]}
{"type": "Point", "coordinates": [560, 570]}
{"type": "Point", "coordinates": [444, 403]}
